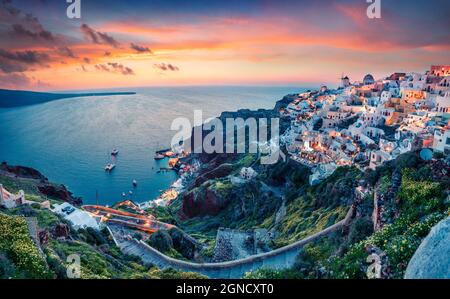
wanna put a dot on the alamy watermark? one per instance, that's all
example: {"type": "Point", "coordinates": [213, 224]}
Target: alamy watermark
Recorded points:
{"type": "Point", "coordinates": [374, 9]}
{"type": "Point", "coordinates": [374, 269]}
{"type": "Point", "coordinates": [73, 271]}
{"type": "Point", "coordinates": [74, 9]}
{"type": "Point", "coordinates": [209, 136]}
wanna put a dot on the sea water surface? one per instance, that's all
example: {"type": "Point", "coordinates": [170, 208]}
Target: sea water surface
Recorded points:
{"type": "Point", "coordinates": [70, 140]}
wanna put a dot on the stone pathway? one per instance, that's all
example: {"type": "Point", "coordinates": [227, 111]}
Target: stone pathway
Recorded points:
{"type": "Point", "coordinates": [280, 258]}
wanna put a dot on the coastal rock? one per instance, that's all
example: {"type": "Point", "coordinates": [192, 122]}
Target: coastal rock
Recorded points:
{"type": "Point", "coordinates": [43, 237]}
{"type": "Point", "coordinates": [284, 102]}
{"type": "Point", "coordinates": [202, 201]}
{"type": "Point", "coordinates": [61, 231]}
{"type": "Point", "coordinates": [431, 260]}
{"type": "Point", "coordinates": [245, 114]}
{"type": "Point", "coordinates": [22, 172]}
{"type": "Point", "coordinates": [38, 181]}
{"type": "Point", "coordinates": [59, 192]}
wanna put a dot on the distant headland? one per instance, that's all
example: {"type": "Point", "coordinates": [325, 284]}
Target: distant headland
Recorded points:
{"type": "Point", "coordinates": [17, 98]}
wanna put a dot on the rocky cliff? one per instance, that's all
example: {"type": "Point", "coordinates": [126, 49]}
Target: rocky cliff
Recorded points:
{"type": "Point", "coordinates": [431, 260]}
{"type": "Point", "coordinates": [32, 181]}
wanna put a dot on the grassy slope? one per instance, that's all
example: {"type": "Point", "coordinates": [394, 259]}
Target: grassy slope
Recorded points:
{"type": "Point", "coordinates": [100, 258]}
{"type": "Point", "coordinates": [421, 203]}
{"type": "Point", "coordinates": [308, 209]}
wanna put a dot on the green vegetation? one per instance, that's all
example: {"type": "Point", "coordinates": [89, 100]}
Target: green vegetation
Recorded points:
{"type": "Point", "coordinates": [14, 185]}
{"type": "Point", "coordinates": [163, 214]}
{"type": "Point", "coordinates": [298, 226]}
{"type": "Point", "coordinates": [161, 241]}
{"type": "Point", "coordinates": [419, 205]}
{"type": "Point", "coordinates": [100, 258]}
{"type": "Point", "coordinates": [422, 205]}
{"type": "Point", "coordinates": [19, 249]}
{"type": "Point", "coordinates": [174, 274]}
{"type": "Point", "coordinates": [409, 213]}
{"type": "Point", "coordinates": [311, 209]}
{"type": "Point", "coordinates": [223, 187]}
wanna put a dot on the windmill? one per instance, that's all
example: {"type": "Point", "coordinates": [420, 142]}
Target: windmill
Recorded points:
{"type": "Point", "coordinates": [345, 81]}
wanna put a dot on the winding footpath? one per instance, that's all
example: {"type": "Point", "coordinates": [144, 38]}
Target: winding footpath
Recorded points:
{"type": "Point", "coordinates": [280, 258]}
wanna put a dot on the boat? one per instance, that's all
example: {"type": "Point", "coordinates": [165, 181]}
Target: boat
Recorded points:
{"type": "Point", "coordinates": [130, 192]}
{"type": "Point", "coordinates": [115, 152]}
{"type": "Point", "coordinates": [159, 156]}
{"type": "Point", "coordinates": [123, 194]}
{"type": "Point", "coordinates": [169, 154]}
{"type": "Point", "coordinates": [134, 183]}
{"type": "Point", "coordinates": [109, 166]}
{"type": "Point", "coordinates": [173, 162]}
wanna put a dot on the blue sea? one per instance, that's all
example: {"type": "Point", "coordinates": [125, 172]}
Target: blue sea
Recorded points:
{"type": "Point", "coordinates": [70, 140]}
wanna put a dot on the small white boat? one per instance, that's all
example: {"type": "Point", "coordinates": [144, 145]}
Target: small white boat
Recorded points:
{"type": "Point", "coordinates": [109, 166]}
{"type": "Point", "coordinates": [134, 183]}
{"type": "Point", "coordinates": [159, 156]}
{"type": "Point", "coordinates": [123, 194]}
{"type": "Point", "coordinates": [131, 192]}
{"type": "Point", "coordinates": [115, 152]}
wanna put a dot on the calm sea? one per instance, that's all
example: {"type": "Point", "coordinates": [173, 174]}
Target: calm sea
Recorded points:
{"type": "Point", "coordinates": [70, 141]}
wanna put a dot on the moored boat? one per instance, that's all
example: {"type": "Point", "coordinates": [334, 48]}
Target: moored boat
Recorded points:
{"type": "Point", "coordinates": [109, 166]}
{"type": "Point", "coordinates": [115, 152]}
{"type": "Point", "coordinates": [169, 154]}
{"type": "Point", "coordinates": [159, 156]}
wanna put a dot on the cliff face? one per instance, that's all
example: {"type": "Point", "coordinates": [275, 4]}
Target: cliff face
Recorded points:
{"type": "Point", "coordinates": [59, 192]}
{"type": "Point", "coordinates": [22, 171]}
{"type": "Point", "coordinates": [32, 179]}
{"type": "Point", "coordinates": [245, 114]}
{"type": "Point", "coordinates": [230, 205]}
{"type": "Point", "coordinates": [203, 201]}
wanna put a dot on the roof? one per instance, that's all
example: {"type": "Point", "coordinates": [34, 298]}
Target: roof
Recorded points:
{"type": "Point", "coordinates": [368, 77]}
{"type": "Point", "coordinates": [78, 218]}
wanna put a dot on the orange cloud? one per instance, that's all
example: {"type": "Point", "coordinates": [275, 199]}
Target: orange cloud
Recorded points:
{"type": "Point", "coordinates": [231, 50]}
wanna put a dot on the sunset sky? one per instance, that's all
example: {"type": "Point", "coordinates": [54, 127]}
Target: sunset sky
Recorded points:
{"type": "Point", "coordinates": [154, 43]}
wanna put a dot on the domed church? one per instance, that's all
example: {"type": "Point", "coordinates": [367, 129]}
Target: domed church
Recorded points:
{"type": "Point", "coordinates": [368, 79]}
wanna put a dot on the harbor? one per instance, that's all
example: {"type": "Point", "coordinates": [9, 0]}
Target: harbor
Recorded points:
{"type": "Point", "coordinates": [172, 161]}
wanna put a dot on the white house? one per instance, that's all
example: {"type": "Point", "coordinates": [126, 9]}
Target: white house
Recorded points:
{"type": "Point", "coordinates": [78, 218]}
{"type": "Point", "coordinates": [377, 158]}
{"type": "Point", "coordinates": [247, 173]}
{"type": "Point", "coordinates": [9, 200]}
{"type": "Point", "coordinates": [443, 103]}
{"type": "Point", "coordinates": [441, 141]}
{"type": "Point", "coordinates": [385, 96]}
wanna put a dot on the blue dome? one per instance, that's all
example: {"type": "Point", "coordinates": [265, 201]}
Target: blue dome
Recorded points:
{"type": "Point", "coordinates": [368, 79]}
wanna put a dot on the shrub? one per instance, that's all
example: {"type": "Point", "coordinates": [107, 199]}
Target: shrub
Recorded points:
{"type": "Point", "coordinates": [161, 240]}
{"type": "Point", "coordinates": [18, 246]}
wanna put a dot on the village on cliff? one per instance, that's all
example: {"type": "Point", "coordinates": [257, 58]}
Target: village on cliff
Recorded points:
{"type": "Point", "coordinates": [365, 124]}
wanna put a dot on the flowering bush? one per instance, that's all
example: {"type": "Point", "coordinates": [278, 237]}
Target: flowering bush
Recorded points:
{"type": "Point", "coordinates": [17, 244]}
